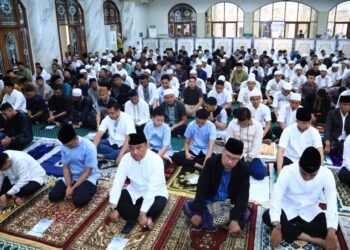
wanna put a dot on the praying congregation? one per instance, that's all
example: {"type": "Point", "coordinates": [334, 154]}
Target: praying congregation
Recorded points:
{"type": "Point", "coordinates": [158, 124]}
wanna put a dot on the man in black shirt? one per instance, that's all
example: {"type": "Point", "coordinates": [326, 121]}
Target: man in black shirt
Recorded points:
{"type": "Point", "coordinates": [119, 90]}
{"type": "Point", "coordinates": [58, 107]}
{"type": "Point", "coordinates": [192, 97]}
{"type": "Point", "coordinates": [69, 78]}
{"type": "Point", "coordinates": [82, 114]}
{"type": "Point", "coordinates": [35, 105]}
{"type": "Point", "coordinates": [18, 128]}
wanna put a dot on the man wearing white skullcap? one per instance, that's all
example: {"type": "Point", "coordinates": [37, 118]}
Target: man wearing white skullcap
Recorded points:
{"type": "Point", "coordinates": [243, 96]}
{"type": "Point", "coordinates": [273, 86]}
{"type": "Point", "coordinates": [298, 79]}
{"type": "Point", "coordinates": [281, 97]}
{"type": "Point", "coordinates": [257, 68]}
{"type": "Point", "coordinates": [323, 80]}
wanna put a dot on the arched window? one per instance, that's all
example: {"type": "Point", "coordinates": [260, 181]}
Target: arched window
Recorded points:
{"type": "Point", "coordinates": [285, 20]}
{"type": "Point", "coordinates": [182, 21]}
{"type": "Point", "coordinates": [224, 20]}
{"type": "Point", "coordinates": [112, 15]}
{"type": "Point", "coordinates": [14, 36]}
{"type": "Point", "coordinates": [70, 21]}
{"type": "Point", "coordinates": [339, 19]}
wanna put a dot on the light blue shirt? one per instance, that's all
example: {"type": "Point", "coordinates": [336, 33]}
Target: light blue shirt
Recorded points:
{"type": "Point", "coordinates": [82, 156]}
{"type": "Point", "coordinates": [200, 136]}
{"type": "Point", "coordinates": [158, 136]}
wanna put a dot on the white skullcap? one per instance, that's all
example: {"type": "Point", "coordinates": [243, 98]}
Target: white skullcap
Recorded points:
{"type": "Point", "coordinates": [251, 79]}
{"type": "Point", "coordinates": [109, 59]}
{"type": "Point", "coordinates": [82, 71]}
{"type": "Point", "coordinates": [254, 92]}
{"type": "Point", "coordinates": [240, 61]}
{"type": "Point", "coordinates": [303, 55]}
{"type": "Point", "coordinates": [275, 62]}
{"type": "Point", "coordinates": [278, 72]}
{"type": "Point", "coordinates": [148, 71]}
{"type": "Point", "coordinates": [298, 67]}
{"type": "Point", "coordinates": [295, 97]}
{"type": "Point", "coordinates": [199, 64]}
{"type": "Point", "coordinates": [225, 56]}
{"type": "Point", "coordinates": [204, 60]}
{"type": "Point", "coordinates": [169, 92]}
{"type": "Point", "coordinates": [287, 86]}
{"type": "Point", "coordinates": [291, 62]}
{"type": "Point", "coordinates": [92, 59]}
{"type": "Point", "coordinates": [193, 71]}
{"type": "Point", "coordinates": [104, 67]}
{"type": "Point", "coordinates": [104, 57]}
{"type": "Point", "coordinates": [323, 67]}
{"type": "Point", "coordinates": [222, 60]}
{"type": "Point", "coordinates": [129, 60]}
{"type": "Point", "coordinates": [256, 61]}
{"type": "Point", "coordinates": [170, 71]}
{"type": "Point", "coordinates": [334, 60]}
{"type": "Point", "coordinates": [122, 60]}
{"type": "Point", "coordinates": [76, 92]}
{"type": "Point", "coordinates": [222, 78]}
{"type": "Point", "coordinates": [88, 66]}
{"type": "Point", "coordinates": [200, 52]}
{"type": "Point", "coordinates": [335, 65]}
{"type": "Point", "coordinates": [282, 61]}
{"type": "Point", "coordinates": [119, 63]}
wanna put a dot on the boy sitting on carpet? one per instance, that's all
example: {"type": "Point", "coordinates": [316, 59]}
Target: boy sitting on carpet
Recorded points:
{"type": "Point", "coordinates": [20, 175]}
{"type": "Point", "coordinates": [80, 171]}
{"type": "Point", "coordinates": [224, 177]}
{"type": "Point", "coordinates": [294, 208]}
{"type": "Point", "coordinates": [146, 195]}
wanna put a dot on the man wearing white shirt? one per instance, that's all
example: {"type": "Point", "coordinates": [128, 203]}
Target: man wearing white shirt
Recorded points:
{"type": "Point", "coordinates": [222, 96]}
{"type": "Point", "coordinates": [323, 81]}
{"type": "Point", "coordinates": [120, 70]}
{"type": "Point", "coordinates": [297, 79]}
{"type": "Point", "coordinates": [296, 138]}
{"type": "Point", "coordinates": [174, 81]}
{"type": "Point", "coordinates": [243, 96]}
{"type": "Point", "coordinates": [138, 109]}
{"type": "Point", "coordinates": [344, 173]}
{"type": "Point", "coordinates": [147, 91]}
{"type": "Point", "coordinates": [287, 114]}
{"type": "Point", "coordinates": [119, 125]}
{"type": "Point", "coordinates": [281, 97]}
{"type": "Point", "coordinates": [334, 74]}
{"type": "Point", "coordinates": [257, 83]}
{"type": "Point", "coordinates": [260, 112]}
{"type": "Point", "coordinates": [13, 96]}
{"type": "Point", "coordinates": [258, 68]}
{"type": "Point", "coordinates": [227, 85]}
{"type": "Point", "coordinates": [145, 197]}
{"type": "Point", "coordinates": [290, 70]}
{"type": "Point", "coordinates": [273, 86]}
{"type": "Point", "coordinates": [95, 66]}
{"type": "Point", "coordinates": [294, 208]}
{"type": "Point", "coordinates": [207, 68]}
{"type": "Point", "coordinates": [20, 175]}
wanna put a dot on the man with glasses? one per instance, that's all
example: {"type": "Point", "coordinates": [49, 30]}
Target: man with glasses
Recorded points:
{"type": "Point", "coordinates": [224, 176]}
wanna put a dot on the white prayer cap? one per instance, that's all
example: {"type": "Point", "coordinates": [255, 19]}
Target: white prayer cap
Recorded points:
{"type": "Point", "coordinates": [334, 60]}
{"type": "Point", "coordinates": [133, 63]}
{"type": "Point", "coordinates": [240, 61]}
{"type": "Point", "coordinates": [225, 56]}
{"type": "Point", "coordinates": [222, 78]}
{"type": "Point", "coordinates": [88, 66]}
{"type": "Point", "coordinates": [295, 97]}
{"type": "Point", "coordinates": [282, 61]}
{"type": "Point", "coordinates": [303, 55]}
{"type": "Point", "coordinates": [107, 48]}
{"type": "Point", "coordinates": [193, 71]}
{"type": "Point", "coordinates": [298, 67]}
{"type": "Point", "coordinates": [287, 86]}
{"type": "Point", "coordinates": [76, 92]}
{"type": "Point", "coordinates": [222, 60]}
{"type": "Point", "coordinates": [291, 62]}
{"type": "Point", "coordinates": [119, 63]}
{"type": "Point", "coordinates": [169, 92]}
{"type": "Point", "coordinates": [129, 60]}
{"type": "Point", "coordinates": [256, 61]}
{"type": "Point", "coordinates": [148, 71]}
{"type": "Point", "coordinates": [170, 71]}
{"type": "Point", "coordinates": [323, 67]}
{"type": "Point", "coordinates": [82, 71]}
{"type": "Point", "coordinates": [199, 64]}
{"type": "Point", "coordinates": [320, 57]}
{"type": "Point", "coordinates": [122, 60]}
{"type": "Point", "coordinates": [204, 60]}
{"type": "Point", "coordinates": [346, 62]}
{"type": "Point", "coordinates": [251, 79]}
{"type": "Point", "coordinates": [275, 62]}
{"type": "Point", "coordinates": [335, 65]}
{"type": "Point", "coordinates": [200, 52]}
{"type": "Point", "coordinates": [104, 57]}
{"type": "Point", "coordinates": [109, 59]}
{"type": "Point", "coordinates": [104, 67]}
{"type": "Point", "coordinates": [92, 59]}
{"type": "Point", "coordinates": [278, 72]}
{"type": "Point", "coordinates": [254, 92]}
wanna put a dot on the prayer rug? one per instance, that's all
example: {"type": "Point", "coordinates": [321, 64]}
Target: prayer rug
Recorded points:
{"type": "Point", "coordinates": [262, 238]}
{"type": "Point", "coordinates": [182, 237]}
{"type": "Point", "coordinates": [259, 191]}
{"type": "Point", "coordinates": [40, 131]}
{"type": "Point", "coordinates": [169, 171]}
{"type": "Point", "coordinates": [344, 224]}
{"type": "Point", "coordinates": [107, 169]}
{"type": "Point", "coordinates": [101, 230]}
{"type": "Point", "coordinates": [13, 207]}
{"type": "Point", "coordinates": [68, 220]}
{"type": "Point", "coordinates": [343, 193]}
{"type": "Point", "coordinates": [9, 245]}
{"type": "Point", "coordinates": [177, 144]}
{"type": "Point", "coordinates": [183, 182]}
{"type": "Point", "coordinates": [268, 151]}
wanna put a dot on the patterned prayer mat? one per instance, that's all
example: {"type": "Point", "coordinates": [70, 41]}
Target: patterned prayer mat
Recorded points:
{"type": "Point", "coordinates": [344, 223]}
{"type": "Point", "coordinates": [343, 193]}
{"type": "Point", "coordinates": [101, 230]}
{"type": "Point", "coordinates": [182, 237]}
{"type": "Point", "coordinates": [179, 184]}
{"type": "Point", "coordinates": [107, 169]}
{"type": "Point", "coordinates": [68, 220]}
{"type": "Point", "coordinates": [262, 238]}
{"type": "Point", "coordinates": [40, 131]}
{"type": "Point", "coordinates": [10, 245]}
{"type": "Point", "coordinates": [13, 207]}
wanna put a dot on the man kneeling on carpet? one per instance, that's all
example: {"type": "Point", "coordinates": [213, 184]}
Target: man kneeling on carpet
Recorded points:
{"type": "Point", "coordinates": [222, 192]}
{"type": "Point", "coordinates": [20, 176]}
{"type": "Point", "coordinates": [80, 171]}
{"type": "Point", "coordinates": [294, 208]}
{"type": "Point", "coordinates": [146, 195]}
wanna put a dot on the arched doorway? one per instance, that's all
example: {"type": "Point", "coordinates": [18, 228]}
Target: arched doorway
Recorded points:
{"type": "Point", "coordinates": [113, 23]}
{"type": "Point", "coordinates": [14, 36]}
{"type": "Point", "coordinates": [182, 21]}
{"type": "Point", "coordinates": [71, 27]}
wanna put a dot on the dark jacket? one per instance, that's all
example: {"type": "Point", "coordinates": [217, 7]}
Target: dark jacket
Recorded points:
{"type": "Point", "coordinates": [209, 182]}
{"type": "Point", "coordinates": [334, 126]}
{"type": "Point", "coordinates": [180, 111]}
{"type": "Point", "coordinates": [19, 128]}
{"type": "Point", "coordinates": [121, 94]}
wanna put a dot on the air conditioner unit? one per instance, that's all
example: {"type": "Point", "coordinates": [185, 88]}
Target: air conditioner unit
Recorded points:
{"type": "Point", "coordinates": [144, 1]}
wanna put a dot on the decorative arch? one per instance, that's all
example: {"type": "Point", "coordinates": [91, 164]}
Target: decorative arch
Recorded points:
{"type": "Point", "coordinates": [14, 35]}
{"type": "Point", "coordinates": [224, 20]}
{"type": "Point", "coordinates": [71, 27]}
{"type": "Point", "coordinates": [182, 21]}
{"type": "Point", "coordinates": [339, 20]}
{"type": "Point", "coordinates": [284, 20]}
{"type": "Point", "coordinates": [112, 15]}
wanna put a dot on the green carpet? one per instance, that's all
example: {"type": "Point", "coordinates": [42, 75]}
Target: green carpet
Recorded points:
{"type": "Point", "coordinates": [40, 131]}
